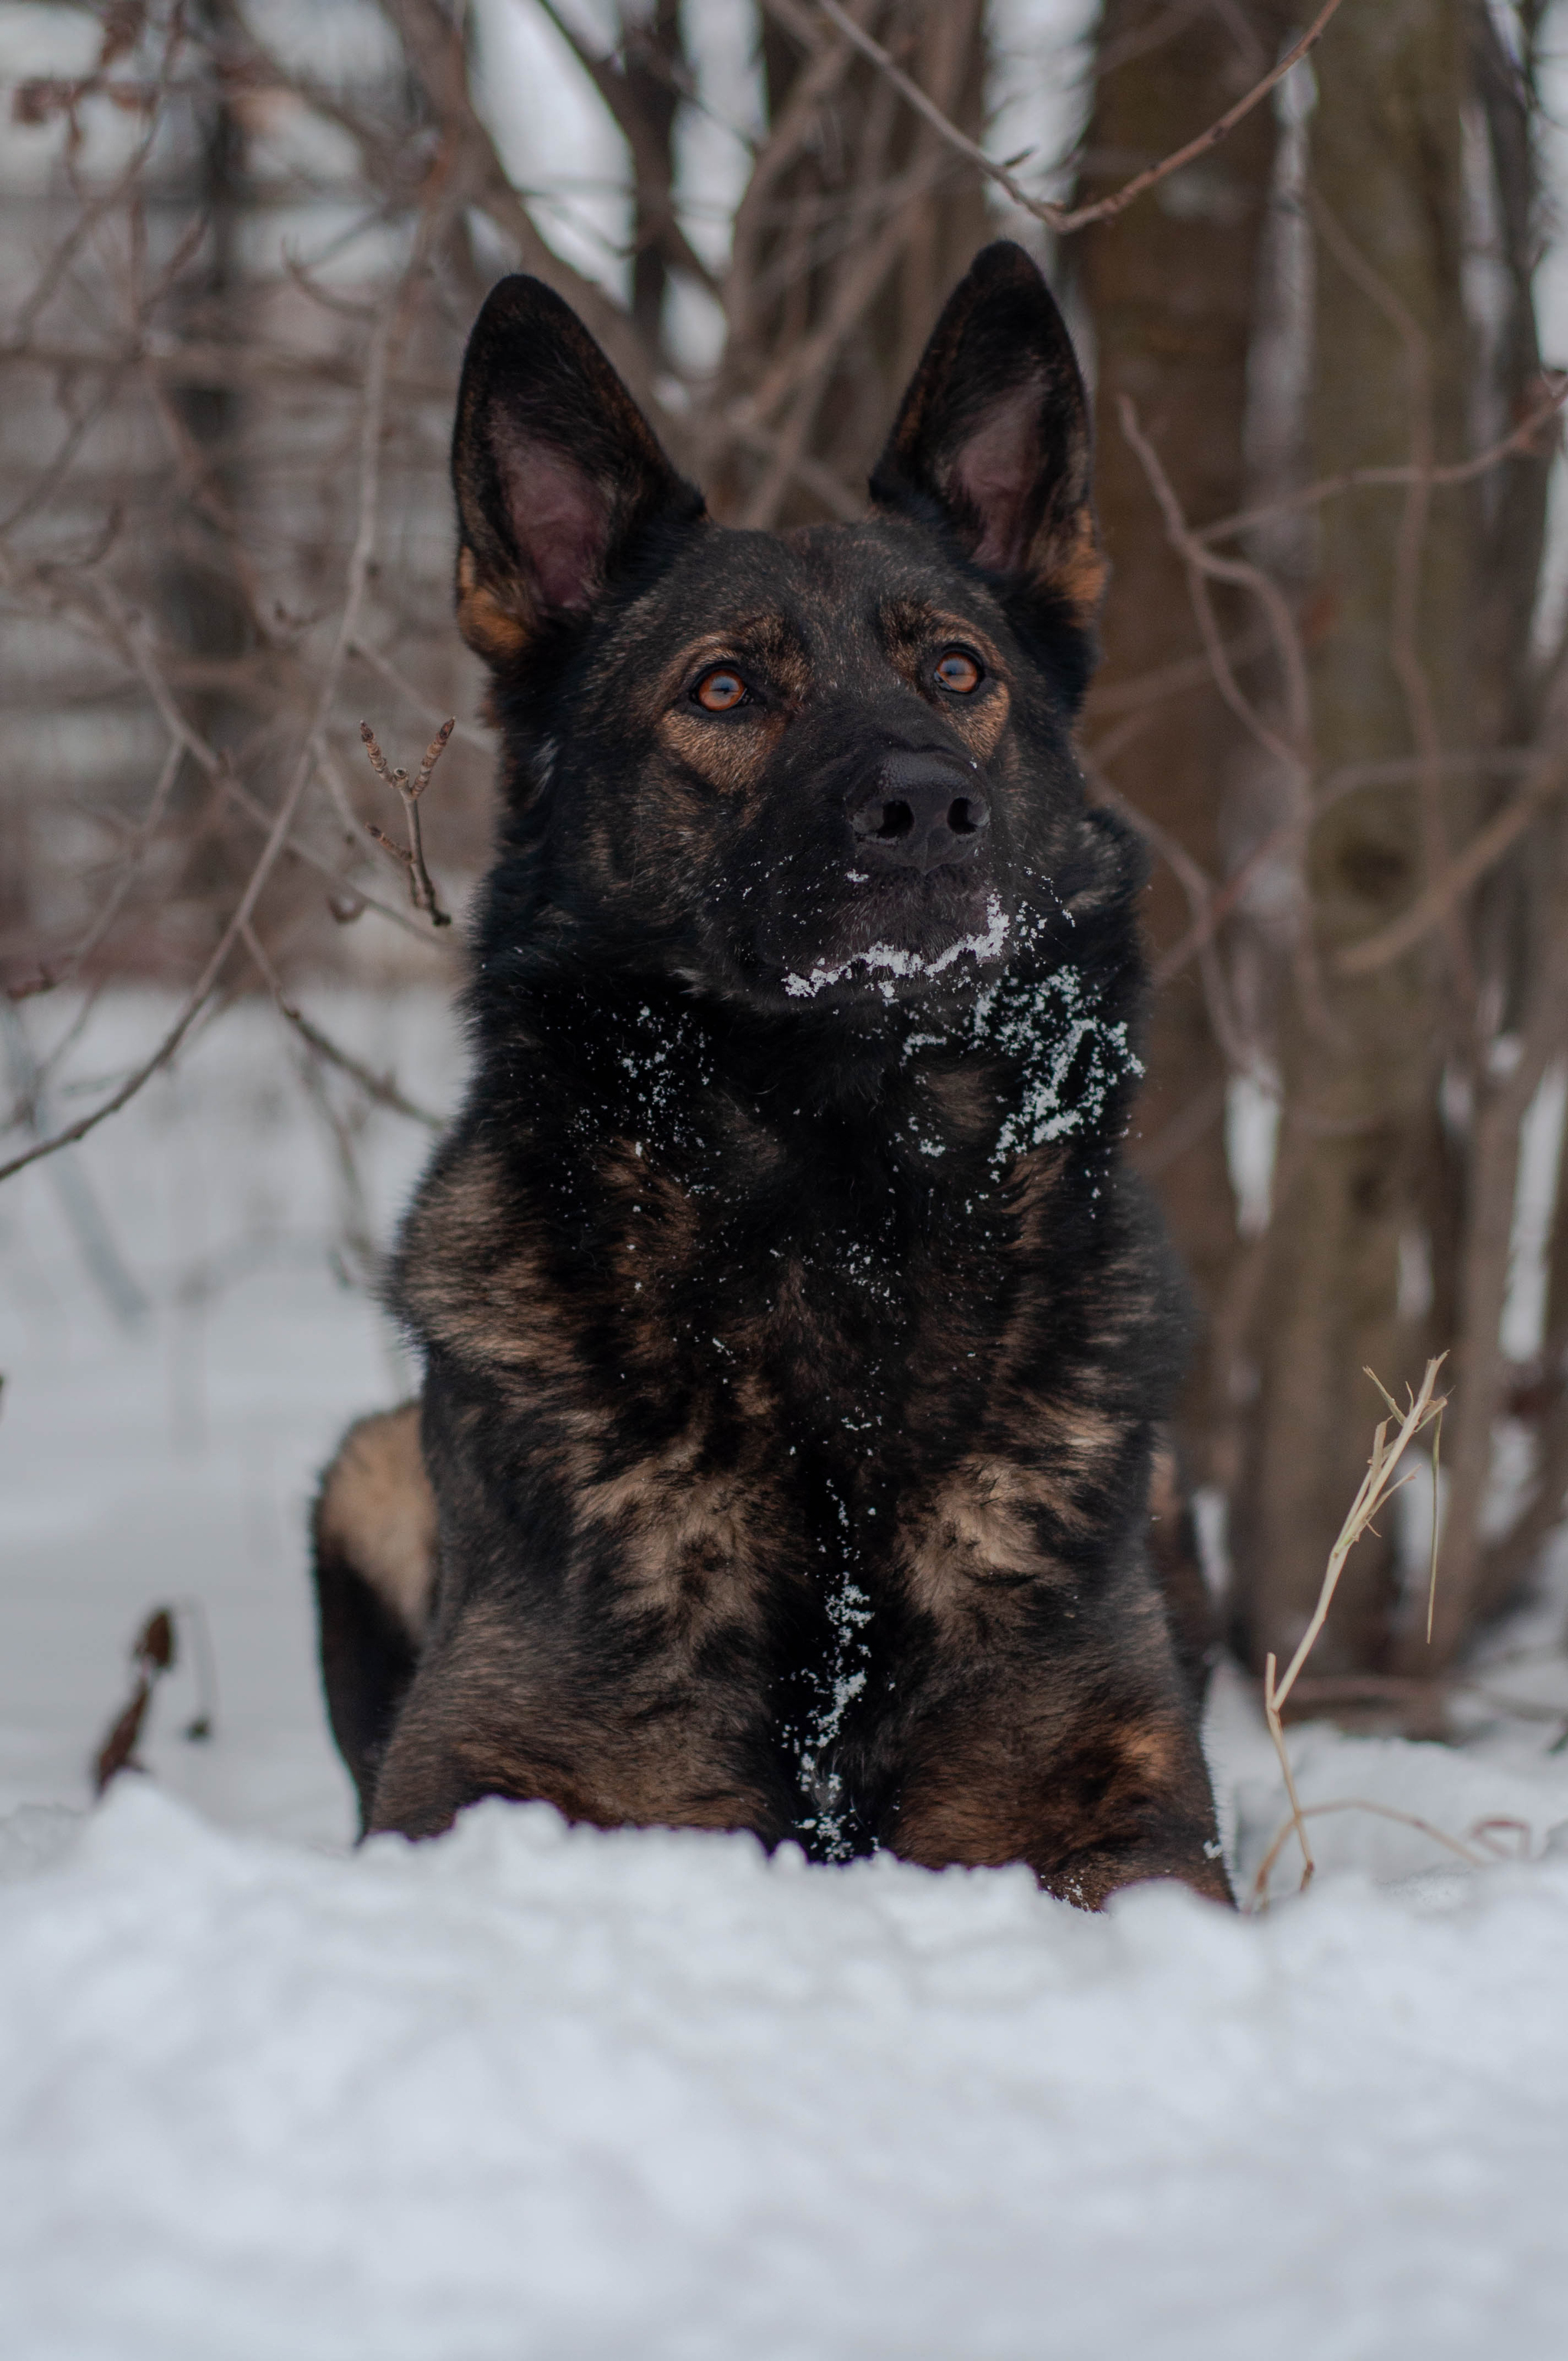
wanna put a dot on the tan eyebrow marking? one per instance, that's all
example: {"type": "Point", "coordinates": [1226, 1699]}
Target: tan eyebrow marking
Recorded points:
{"type": "Point", "coordinates": [765, 639]}
{"type": "Point", "coordinates": [908, 626]}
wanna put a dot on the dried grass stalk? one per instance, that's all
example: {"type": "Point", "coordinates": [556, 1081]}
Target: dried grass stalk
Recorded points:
{"type": "Point", "coordinates": [1377, 1486]}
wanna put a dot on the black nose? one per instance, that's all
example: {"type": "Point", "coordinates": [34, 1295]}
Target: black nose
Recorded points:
{"type": "Point", "coordinates": [926, 811]}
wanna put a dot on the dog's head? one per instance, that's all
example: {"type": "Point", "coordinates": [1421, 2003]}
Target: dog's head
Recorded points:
{"type": "Point", "coordinates": [803, 767]}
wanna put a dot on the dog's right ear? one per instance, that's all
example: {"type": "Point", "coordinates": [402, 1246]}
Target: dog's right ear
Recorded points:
{"type": "Point", "coordinates": [560, 480]}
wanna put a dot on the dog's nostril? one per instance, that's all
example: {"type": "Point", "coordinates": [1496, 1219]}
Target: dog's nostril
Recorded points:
{"type": "Point", "coordinates": [922, 813]}
{"type": "Point", "coordinates": [884, 823]}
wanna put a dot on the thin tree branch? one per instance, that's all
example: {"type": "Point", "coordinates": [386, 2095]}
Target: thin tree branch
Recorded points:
{"type": "Point", "coordinates": [358, 572]}
{"type": "Point", "coordinates": [1064, 219]}
{"type": "Point", "coordinates": [1436, 903]}
{"type": "Point", "coordinates": [381, 1088]}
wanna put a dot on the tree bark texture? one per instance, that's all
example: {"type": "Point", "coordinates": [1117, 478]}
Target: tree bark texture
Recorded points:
{"type": "Point", "coordinates": [1171, 289]}
{"type": "Point", "coordinates": [201, 600]}
{"type": "Point", "coordinates": [1520, 919]}
{"type": "Point", "coordinates": [1365, 1175]}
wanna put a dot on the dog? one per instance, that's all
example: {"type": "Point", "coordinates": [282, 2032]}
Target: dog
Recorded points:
{"type": "Point", "coordinates": [795, 1345]}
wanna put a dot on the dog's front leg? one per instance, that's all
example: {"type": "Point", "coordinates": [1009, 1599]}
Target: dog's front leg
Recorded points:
{"type": "Point", "coordinates": [1099, 1809]}
{"type": "Point", "coordinates": [1073, 1746]}
{"type": "Point", "coordinates": [599, 1715]}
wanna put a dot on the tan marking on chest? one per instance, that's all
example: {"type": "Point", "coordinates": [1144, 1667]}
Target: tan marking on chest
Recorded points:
{"type": "Point", "coordinates": [698, 1547]}
{"type": "Point", "coordinates": [979, 1523]}
{"type": "Point", "coordinates": [975, 1526]}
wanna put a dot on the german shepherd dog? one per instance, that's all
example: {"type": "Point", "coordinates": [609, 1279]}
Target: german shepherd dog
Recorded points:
{"type": "Point", "coordinates": [796, 1345]}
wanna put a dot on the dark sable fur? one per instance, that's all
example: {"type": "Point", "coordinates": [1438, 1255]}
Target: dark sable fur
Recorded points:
{"type": "Point", "coordinates": [795, 1343]}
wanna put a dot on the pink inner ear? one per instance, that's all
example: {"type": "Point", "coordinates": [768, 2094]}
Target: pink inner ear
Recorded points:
{"type": "Point", "coordinates": [560, 519]}
{"type": "Point", "coordinates": [996, 471]}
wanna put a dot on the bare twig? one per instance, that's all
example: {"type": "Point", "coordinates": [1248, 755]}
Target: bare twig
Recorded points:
{"type": "Point", "coordinates": [1171, 679]}
{"type": "Point", "coordinates": [1523, 440]}
{"type": "Point", "coordinates": [1349, 779]}
{"type": "Point", "coordinates": [152, 1655]}
{"type": "Point", "coordinates": [1292, 753]}
{"type": "Point", "coordinates": [381, 1088]}
{"type": "Point", "coordinates": [1240, 1055]}
{"type": "Point", "coordinates": [1462, 871]}
{"type": "Point", "coordinates": [358, 567]}
{"type": "Point", "coordinates": [421, 892]}
{"type": "Point", "coordinates": [52, 974]}
{"type": "Point", "coordinates": [386, 670]}
{"type": "Point", "coordinates": [1353, 1803]}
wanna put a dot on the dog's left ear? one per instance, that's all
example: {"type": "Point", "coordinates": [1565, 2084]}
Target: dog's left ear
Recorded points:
{"type": "Point", "coordinates": [994, 438]}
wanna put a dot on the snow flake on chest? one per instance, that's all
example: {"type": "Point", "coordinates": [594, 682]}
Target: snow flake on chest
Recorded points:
{"type": "Point", "coordinates": [1060, 1060]}
{"type": "Point", "coordinates": [662, 1065]}
{"type": "Point", "coordinates": [1069, 1058]}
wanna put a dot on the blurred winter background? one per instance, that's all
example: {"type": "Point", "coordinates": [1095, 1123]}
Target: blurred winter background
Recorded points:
{"type": "Point", "coordinates": [193, 238]}
{"type": "Point", "coordinates": [240, 249]}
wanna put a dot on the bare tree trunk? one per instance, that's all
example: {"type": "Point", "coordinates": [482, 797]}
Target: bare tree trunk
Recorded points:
{"type": "Point", "coordinates": [654, 61]}
{"type": "Point", "coordinates": [1520, 913]}
{"type": "Point", "coordinates": [201, 590]}
{"type": "Point", "coordinates": [1362, 1156]}
{"type": "Point", "coordinates": [1170, 289]}
{"type": "Point", "coordinates": [1542, 1401]}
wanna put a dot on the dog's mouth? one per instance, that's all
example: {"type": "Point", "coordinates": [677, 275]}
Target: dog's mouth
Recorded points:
{"type": "Point", "coordinates": [828, 922]}
{"type": "Point", "coordinates": [897, 952]}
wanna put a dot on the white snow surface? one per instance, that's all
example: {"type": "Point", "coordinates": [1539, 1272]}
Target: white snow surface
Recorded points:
{"type": "Point", "coordinates": [532, 2091]}
{"type": "Point", "coordinates": [537, 2091]}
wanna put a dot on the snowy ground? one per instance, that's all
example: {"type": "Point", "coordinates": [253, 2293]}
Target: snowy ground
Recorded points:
{"type": "Point", "coordinates": [538, 2092]}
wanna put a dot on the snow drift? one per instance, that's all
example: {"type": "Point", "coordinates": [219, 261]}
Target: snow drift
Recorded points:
{"type": "Point", "coordinates": [539, 2090]}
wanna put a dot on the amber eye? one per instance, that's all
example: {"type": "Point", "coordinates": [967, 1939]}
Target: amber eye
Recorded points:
{"type": "Point", "coordinates": [959, 672]}
{"type": "Point", "coordinates": [721, 690]}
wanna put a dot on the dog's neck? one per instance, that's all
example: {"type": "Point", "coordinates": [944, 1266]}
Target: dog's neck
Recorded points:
{"type": "Point", "coordinates": [723, 1100]}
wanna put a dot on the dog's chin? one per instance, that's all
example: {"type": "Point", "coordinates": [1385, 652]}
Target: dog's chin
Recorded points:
{"type": "Point", "coordinates": [897, 942]}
